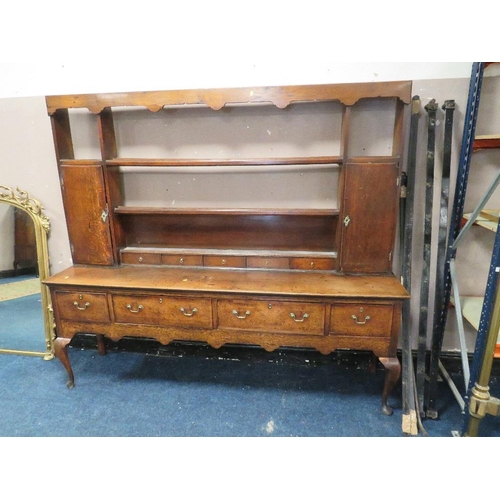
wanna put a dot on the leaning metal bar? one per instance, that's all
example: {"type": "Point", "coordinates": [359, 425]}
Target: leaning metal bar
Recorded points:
{"type": "Point", "coordinates": [408, 379]}
{"type": "Point", "coordinates": [456, 215]}
{"type": "Point", "coordinates": [431, 108]}
{"type": "Point", "coordinates": [453, 387]}
{"type": "Point", "coordinates": [478, 209]}
{"type": "Point", "coordinates": [460, 324]}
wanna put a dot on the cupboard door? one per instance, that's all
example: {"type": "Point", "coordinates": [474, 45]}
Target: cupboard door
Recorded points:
{"type": "Point", "coordinates": [86, 214]}
{"type": "Point", "coordinates": [369, 217]}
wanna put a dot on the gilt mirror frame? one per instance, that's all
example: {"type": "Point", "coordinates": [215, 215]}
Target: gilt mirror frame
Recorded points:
{"type": "Point", "coordinates": [20, 199]}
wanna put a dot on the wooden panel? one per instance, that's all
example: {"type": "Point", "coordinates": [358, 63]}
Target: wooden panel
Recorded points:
{"type": "Point", "coordinates": [311, 264]}
{"type": "Point", "coordinates": [348, 93]}
{"type": "Point", "coordinates": [361, 319]}
{"type": "Point", "coordinates": [268, 262]}
{"type": "Point", "coordinates": [163, 310]}
{"type": "Point", "coordinates": [266, 232]}
{"type": "Point", "coordinates": [84, 204]}
{"type": "Point", "coordinates": [82, 307]}
{"type": "Point", "coordinates": [370, 206]}
{"type": "Point", "coordinates": [271, 316]}
{"type": "Point", "coordinates": [182, 260]}
{"type": "Point", "coordinates": [223, 261]}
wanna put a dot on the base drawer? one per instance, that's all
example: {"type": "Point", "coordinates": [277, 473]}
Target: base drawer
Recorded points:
{"type": "Point", "coordinates": [361, 319]}
{"type": "Point", "coordinates": [82, 307]}
{"type": "Point", "coordinates": [163, 310]}
{"type": "Point", "coordinates": [271, 316]}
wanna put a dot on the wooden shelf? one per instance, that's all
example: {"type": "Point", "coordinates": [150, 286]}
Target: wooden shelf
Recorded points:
{"type": "Point", "coordinates": [229, 252]}
{"type": "Point", "coordinates": [486, 142]}
{"type": "Point", "coordinates": [223, 162]}
{"type": "Point", "coordinates": [487, 218]}
{"type": "Point", "coordinates": [319, 212]}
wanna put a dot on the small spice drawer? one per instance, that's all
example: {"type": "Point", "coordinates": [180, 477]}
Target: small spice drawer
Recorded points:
{"type": "Point", "coordinates": [141, 258]}
{"type": "Point", "coordinates": [361, 319]}
{"type": "Point", "coordinates": [163, 310]}
{"type": "Point", "coordinates": [223, 261]}
{"type": "Point", "coordinates": [268, 262]}
{"type": "Point", "coordinates": [271, 316]}
{"type": "Point", "coordinates": [182, 260]}
{"type": "Point", "coordinates": [85, 307]}
{"type": "Point", "coordinates": [312, 264]}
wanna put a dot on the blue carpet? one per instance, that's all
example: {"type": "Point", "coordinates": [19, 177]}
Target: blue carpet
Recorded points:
{"type": "Point", "coordinates": [131, 394]}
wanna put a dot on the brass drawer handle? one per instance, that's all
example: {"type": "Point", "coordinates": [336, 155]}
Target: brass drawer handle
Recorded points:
{"type": "Point", "coordinates": [181, 261]}
{"type": "Point", "coordinates": [297, 320]}
{"type": "Point", "coordinates": [188, 314]}
{"type": "Point", "coordinates": [79, 307]}
{"type": "Point", "coordinates": [237, 314]}
{"type": "Point", "coordinates": [139, 308]}
{"type": "Point", "coordinates": [355, 318]}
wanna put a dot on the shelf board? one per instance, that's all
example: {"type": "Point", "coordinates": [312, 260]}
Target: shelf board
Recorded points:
{"type": "Point", "coordinates": [123, 210]}
{"type": "Point", "coordinates": [471, 311]}
{"type": "Point", "coordinates": [487, 218]}
{"type": "Point", "coordinates": [229, 252]}
{"type": "Point", "coordinates": [223, 162]}
{"type": "Point", "coordinates": [486, 142]}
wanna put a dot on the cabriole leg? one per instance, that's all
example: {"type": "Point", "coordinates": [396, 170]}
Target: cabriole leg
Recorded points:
{"type": "Point", "coordinates": [393, 367]}
{"type": "Point", "coordinates": [61, 353]}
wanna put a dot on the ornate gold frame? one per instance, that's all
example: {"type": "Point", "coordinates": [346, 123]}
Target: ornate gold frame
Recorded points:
{"type": "Point", "coordinates": [22, 200]}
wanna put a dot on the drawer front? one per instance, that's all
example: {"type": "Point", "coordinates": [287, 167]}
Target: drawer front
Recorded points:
{"type": "Point", "coordinates": [141, 258]}
{"type": "Point", "coordinates": [223, 261]}
{"type": "Point", "coordinates": [269, 316]}
{"type": "Point", "coordinates": [182, 260]}
{"type": "Point", "coordinates": [86, 307]}
{"type": "Point", "coordinates": [268, 262]}
{"type": "Point", "coordinates": [186, 312]}
{"type": "Point", "coordinates": [136, 309]}
{"type": "Point", "coordinates": [163, 311]}
{"type": "Point", "coordinates": [361, 319]}
{"type": "Point", "coordinates": [312, 264]}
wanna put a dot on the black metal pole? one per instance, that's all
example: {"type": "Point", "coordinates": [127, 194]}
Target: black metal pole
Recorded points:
{"type": "Point", "coordinates": [431, 109]}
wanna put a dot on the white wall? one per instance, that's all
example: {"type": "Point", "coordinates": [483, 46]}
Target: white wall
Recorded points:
{"type": "Point", "coordinates": [68, 77]}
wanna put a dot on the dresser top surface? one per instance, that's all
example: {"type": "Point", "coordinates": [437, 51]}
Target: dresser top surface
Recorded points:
{"type": "Point", "coordinates": [291, 283]}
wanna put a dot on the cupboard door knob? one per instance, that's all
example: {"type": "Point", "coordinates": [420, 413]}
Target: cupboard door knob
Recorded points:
{"type": "Point", "coordinates": [297, 320]}
{"type": "Point", "coordinates": [237, 314]}
{"type": "Point", "coordinates": [79, 307]}
{"type": "Point", "coordinates": [188, 313]}
{"type": "Point", "coordinates": [355, 318]}
{"type": "Point", "coordinates": [139, 308]}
